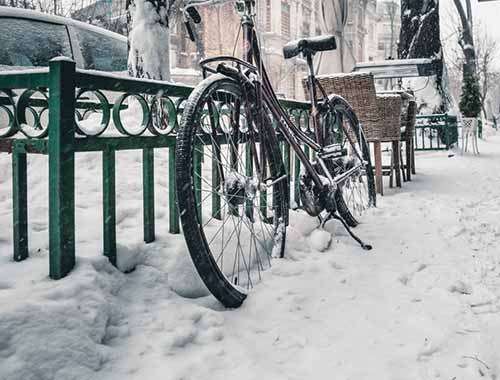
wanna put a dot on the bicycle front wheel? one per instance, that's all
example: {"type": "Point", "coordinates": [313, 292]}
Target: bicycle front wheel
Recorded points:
{"type": "Point", "coordinates": [356, 193]}
{"type": "Point", "coordinates": [231, 188]}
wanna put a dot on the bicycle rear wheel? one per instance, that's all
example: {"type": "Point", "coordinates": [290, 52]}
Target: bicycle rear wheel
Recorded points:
{"type": "Point", "coordinates": [357, 192]}
{"type": "Point", "coordinates": [233, 208]}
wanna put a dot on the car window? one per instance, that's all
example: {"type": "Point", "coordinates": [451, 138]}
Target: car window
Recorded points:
{"type": "Point", "coordinates": [101, 52]}
{"type": "Point", "coordinates": [29, 43]}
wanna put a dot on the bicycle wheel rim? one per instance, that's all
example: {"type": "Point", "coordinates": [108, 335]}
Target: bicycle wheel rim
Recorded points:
{"type": "Point", "coordinates": [239, 222]}
{"type": "Point", "coordinates": [356, 193]}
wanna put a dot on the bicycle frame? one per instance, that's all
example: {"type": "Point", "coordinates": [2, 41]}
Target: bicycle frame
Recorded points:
{"type": "Point", "coordinates": [252, 60]}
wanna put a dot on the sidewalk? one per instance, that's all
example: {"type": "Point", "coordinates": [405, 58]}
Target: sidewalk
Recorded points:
{"type": "Point", "coordinates": [423, 304]}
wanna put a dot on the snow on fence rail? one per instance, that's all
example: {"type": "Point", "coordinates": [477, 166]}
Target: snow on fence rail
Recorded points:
{"type": "Point", "coordinates": [63, 111]}
{"type": "Point", "coordinates": [435, 132]}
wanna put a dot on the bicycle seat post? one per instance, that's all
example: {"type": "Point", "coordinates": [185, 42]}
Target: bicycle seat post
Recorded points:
{"type": "Point", "coordinates": [308, 55]}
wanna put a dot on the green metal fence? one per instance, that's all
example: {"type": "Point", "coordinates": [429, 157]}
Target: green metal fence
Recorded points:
{"type": "Point", "coordinates": [44, 113]}
{"type": "Point", "coordinates": [435, 132]}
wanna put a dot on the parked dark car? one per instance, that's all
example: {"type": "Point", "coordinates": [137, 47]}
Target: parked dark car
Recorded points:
{"type": "Point", "coordinates": [29, 39]}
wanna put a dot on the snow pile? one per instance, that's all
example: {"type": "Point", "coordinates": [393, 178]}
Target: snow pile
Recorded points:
{"type": "Point", "coordinates": [426, 95]}
{"type": "Point", "coordinates": [149, 31]}
{"type": "Point", "coordinates": [49, 332]}
{"type": "Point", "coordinates": [489, 129]}
{"type": "Point", "coordinates": [320, 240]}
{"type": "Point", "coordinates": [423, 304]}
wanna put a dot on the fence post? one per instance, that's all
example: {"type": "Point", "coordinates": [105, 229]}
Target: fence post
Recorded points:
{"type": "Point", "coordinates": [249, 167]}
{"type": "Point", "coordinates": [296, 177]}
{"type": "Point", "coordinates": [172, 194]}
{"type": "Point", "coordinates": [61, 167]}
{"type": "Point", "coordinates": [447, 126]}
{"type": "Point", "coordinates": [20, 204]}
{"type": "Point", "coordinates": [109, 205]}
{"type": "Point", "coordinates": [287, 162]}
{"type": "Point", "coordinates": [148, 194]}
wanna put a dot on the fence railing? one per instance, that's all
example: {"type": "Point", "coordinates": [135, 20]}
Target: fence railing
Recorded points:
{"type": "Point", "coordinates": [435, 132]}
{"type": "Point", "coordinates": [60, 112]}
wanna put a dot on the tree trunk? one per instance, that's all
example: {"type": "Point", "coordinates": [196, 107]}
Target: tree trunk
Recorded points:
{"type": "Point", "coordinates": [149, 38]}
{"type": "Point", "coordinates": [467, 40]}
{"type": "Point", "coordinates": [420, 38]}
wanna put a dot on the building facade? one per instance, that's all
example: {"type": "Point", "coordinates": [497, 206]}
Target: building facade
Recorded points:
{"type": "Point", "coordinates": [372, 27]}
{"type": "Point", "coordinates": [277, 22]}
{"type": "Point", "coordinates": [370, 33]}
{"type": "Point", "coordinates": [388, 28]}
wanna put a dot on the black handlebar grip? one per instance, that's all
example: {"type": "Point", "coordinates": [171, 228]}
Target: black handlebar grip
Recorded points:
{"type": "Point", "coordinates": [190, 31]}
{"type": "Point", "coordinates": [194, 15]}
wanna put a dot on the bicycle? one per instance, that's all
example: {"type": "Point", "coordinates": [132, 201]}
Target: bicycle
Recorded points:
{"type": "Point", "coordinates": [233, 121]}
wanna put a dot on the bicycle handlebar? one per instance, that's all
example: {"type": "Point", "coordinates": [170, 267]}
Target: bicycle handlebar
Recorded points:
{"type": "Point", "coordinates": [190, 13]}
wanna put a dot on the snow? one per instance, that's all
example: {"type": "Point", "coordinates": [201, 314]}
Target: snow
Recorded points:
{"type": "Point", "coordinates": [426, 95]}
{"type": "Point", "coordinates": [186, 72]}
{"type": "Point", "coordinates": [16, 70]}
{"type": "Point", "coordinates": [320, 240]}
{"type": "Point", "coordinates": [146, 36]}
{"type": "Point", "coordinates": [423, 304]}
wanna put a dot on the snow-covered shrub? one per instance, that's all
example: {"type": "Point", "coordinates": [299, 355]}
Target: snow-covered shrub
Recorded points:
{"type": "Point", "coordinates": [470, 100]}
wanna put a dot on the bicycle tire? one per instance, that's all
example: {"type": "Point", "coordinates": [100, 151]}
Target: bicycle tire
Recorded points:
{"type": "Point", "coordinates": [229, 290]}
{"type": "Point", "coordinates": [345, 207]}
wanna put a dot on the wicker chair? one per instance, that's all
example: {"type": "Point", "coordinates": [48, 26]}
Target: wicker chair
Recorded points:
{"type": "Point", "coordinates": [407, 132]}
{"type": "Point", "coordinates": [408, 120]}
{"type": "Point", "coordinates": [380, 115]}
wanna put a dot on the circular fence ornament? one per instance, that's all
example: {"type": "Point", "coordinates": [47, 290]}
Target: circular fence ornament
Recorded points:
{"type": "Point", "coordinates": [32, 118]}
{"type": "Point", "coordinates": [132, 105]}
{"type": "Point", "coordinates": [225, 118]}
{"type": "Point", "coordinates": [179, 108]}
{"type": "Point", "coordinates": [93, 103]}
{"type": "Point", "coordinates": [163, 116]}
{"type": "Point", "coordinates": [302, 117]}
{"type": "Point", "coordinates": [243, 124]}
{"type": "Point", "coordinates": [209, 118]}
{"type": "Point", "coordinates": [8, 125]}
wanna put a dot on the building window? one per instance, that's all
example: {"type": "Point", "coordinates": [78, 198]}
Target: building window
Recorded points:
{"type": "Point", "coordinates": [285, 19]}
{"type": "Point", "coordinates": [317, 22]}
{"type": "Point", "coordinates": [317, 6]}
{"type": "Point", "coordinates": [306, 22]}
{"type": "Point", "coordinates": [268, 16]}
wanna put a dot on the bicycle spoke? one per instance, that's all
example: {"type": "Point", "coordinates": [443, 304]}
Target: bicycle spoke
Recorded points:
{"type": "Point", "coordinates": [226, 164]}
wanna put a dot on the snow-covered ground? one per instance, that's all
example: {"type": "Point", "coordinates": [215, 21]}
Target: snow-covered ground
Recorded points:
{"type": "Point", "coordinates": [423, 304]}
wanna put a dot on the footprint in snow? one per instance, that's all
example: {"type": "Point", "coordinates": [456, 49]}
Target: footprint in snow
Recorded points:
{"type": "Point", "coordinates": [39, 226]}
{"type": "Point", "coordinates": [427, 353]}
{"type": "Point", "coordinates": [336, 266]}
{"type": "Point", "coordinates": [461, 288]}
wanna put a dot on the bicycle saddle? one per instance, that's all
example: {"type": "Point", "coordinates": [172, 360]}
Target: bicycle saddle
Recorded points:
{"type": "Point", "coordinates": [309, 46]}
